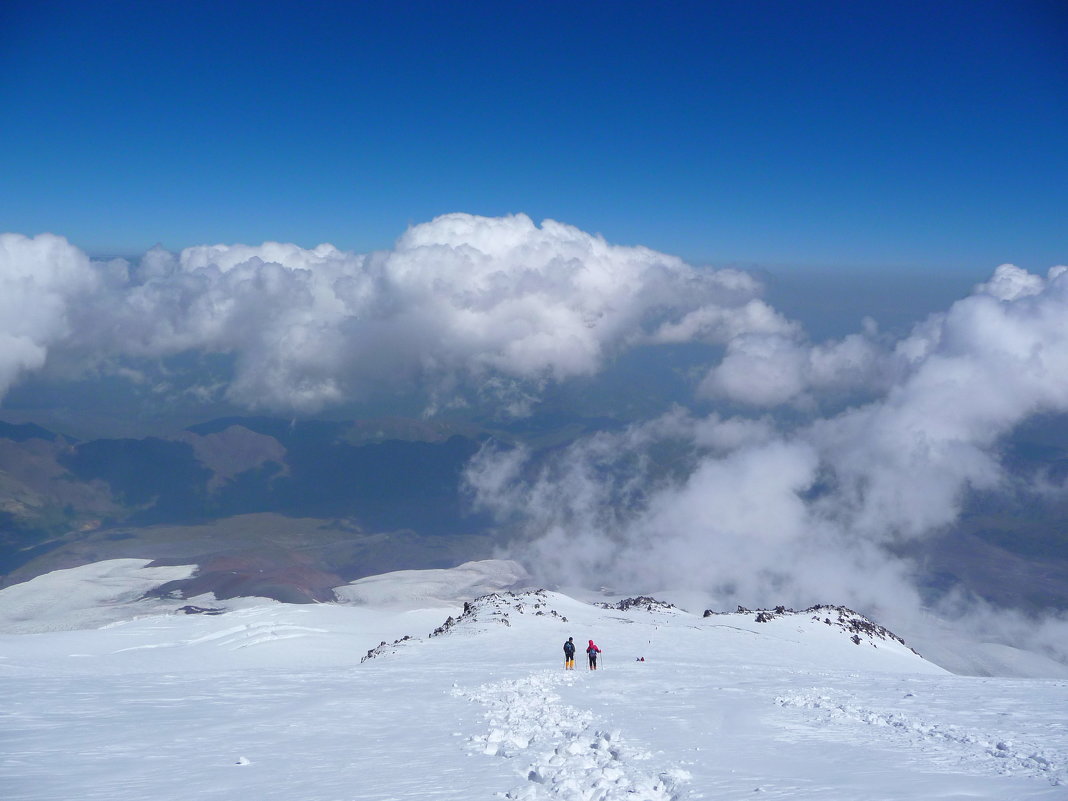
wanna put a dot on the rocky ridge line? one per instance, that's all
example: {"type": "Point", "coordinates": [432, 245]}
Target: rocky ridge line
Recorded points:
{"type": "Point", "coordinates": [852, 622]}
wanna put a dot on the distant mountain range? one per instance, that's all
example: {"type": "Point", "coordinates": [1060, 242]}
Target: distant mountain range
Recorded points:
{"type": "Point", "coordinates": [230, 486]}
{"type": "Point", "coordinates": [287, 509]}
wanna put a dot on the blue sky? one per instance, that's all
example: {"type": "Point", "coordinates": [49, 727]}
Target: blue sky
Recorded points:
{"type": "Point", "coordinates": [847, 135]}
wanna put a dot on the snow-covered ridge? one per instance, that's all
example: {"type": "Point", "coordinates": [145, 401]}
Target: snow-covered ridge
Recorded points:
{"type": "Point", "coordinates": [497, 608]}
{"type": "Point", "coordinates": [439, 587]}
{"type": "Point", "coordinates": [642, 601]}
{"type": "Point", "coordinates": [500, 608]}
{"type": "Point", "coordinates": [859, 627]}
{"type": "Point", "coordinates": [494, 608]}
{"type": "Point", "coordinates": [821, 635]}
{"type": "Point", "coordinates": [470, 599]}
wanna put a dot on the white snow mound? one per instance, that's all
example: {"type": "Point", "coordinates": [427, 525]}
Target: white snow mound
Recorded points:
{"type": "Point", "coordinates": [415, 589]}
{"type": "Point", "coordinates": [87, 597]}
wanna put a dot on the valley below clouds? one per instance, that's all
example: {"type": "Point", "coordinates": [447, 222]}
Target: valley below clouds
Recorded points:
{"type": "Point", "coordinates": [604, 414]}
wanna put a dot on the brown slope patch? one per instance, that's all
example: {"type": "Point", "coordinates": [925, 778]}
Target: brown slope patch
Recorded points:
{"type": "Point", "coordinates": [270, 573]}
{"type": "Point", "coordinates": [233, 451]}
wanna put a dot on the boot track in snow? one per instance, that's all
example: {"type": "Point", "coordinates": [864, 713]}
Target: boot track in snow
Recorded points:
{"type": "Point", "coordinates": [566, 755]}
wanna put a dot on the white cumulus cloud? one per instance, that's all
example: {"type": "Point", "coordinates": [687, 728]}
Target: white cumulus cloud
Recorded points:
{"type": "Point", "coordinates": [758, 513]}
{"type": "Point", "coordinates": [41, 279]}
{"type": "Point", "coordinates": [461, 306]}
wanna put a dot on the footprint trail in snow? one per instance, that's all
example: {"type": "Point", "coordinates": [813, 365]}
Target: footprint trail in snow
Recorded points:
{"type": "Point", "coordinates": [957, 745]}
{"type": "Point", "coordinates": [566, 755]}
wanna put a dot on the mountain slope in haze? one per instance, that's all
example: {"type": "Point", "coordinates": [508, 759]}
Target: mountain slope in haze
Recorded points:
{"type": "Point", "coordinates": [310, 468]}
{"type": "Point", "coordinates": [297, 560]}
{"type": "Point", "coordinates": [64, 502]}
{"type": "Point", "coordinates": [308, 502]}
{"type": "Point", "coordinates": [345, 499]}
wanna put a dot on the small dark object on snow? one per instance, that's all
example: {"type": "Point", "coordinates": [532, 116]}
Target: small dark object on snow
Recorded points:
{"type": "Point", "coordinates": [201, 610]}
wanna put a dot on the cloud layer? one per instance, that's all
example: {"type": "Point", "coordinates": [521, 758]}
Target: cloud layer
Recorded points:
{"type": "Point", "coordinates": [40, 280]}
{"type": "Point", "coordinates": [757, 512]}
{"type": "Point", "coordinates": [461, 304]}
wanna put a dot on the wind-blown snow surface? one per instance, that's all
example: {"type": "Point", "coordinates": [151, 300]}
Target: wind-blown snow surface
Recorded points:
{"type": "Point", "coordinates": [272, 701]}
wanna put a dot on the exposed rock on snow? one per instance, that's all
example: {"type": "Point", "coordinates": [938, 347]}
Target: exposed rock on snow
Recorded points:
{"type": "Point", "coordinates": [641, 602]}
{"type": "Point", "coordinates": [190, 609]}
{"type": "Point", "coordinates": [270, 573]}
{"type": "Point", "coordinates": [496, 608]}
{"type": "Point", "coordinates": [859, 627]}
{"type": "Point", "coordinates": [853, 622]}
{"type": "Point", "coordinates": [384, 648]}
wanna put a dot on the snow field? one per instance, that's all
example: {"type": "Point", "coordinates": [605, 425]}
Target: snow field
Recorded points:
{"type": "Point", "coordinates": [941, 741]}
{"type": "Point", "coordinates": [328, 735]}
{"type": "Point", "coordinates": [86, 597]}
{"type": "Point", "coordinates": [272, 702]}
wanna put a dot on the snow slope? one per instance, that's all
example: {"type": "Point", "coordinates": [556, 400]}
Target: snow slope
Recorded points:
{"type": "Point", "coordinates": [448, 588]}
{"type": "Point", "coordinates": [273, 701]}
{"type": "Point", "coordinates": [87, 596]}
